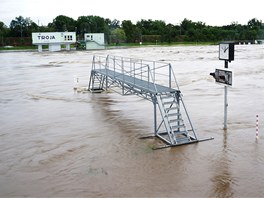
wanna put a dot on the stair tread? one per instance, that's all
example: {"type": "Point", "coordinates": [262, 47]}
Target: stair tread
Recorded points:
{"type": "Point", "coordinates": [173, 114]}
{"type": "Point", "coordinates": [175, 120]}
{"type": "Point", "coordinates": [172, 108]}
{"type": "Point", "coordinates": [168, 102]}
{"type": "Point", "coordinates": [178, 126]}
{"type": "Point", "coordinates": [180, 132]}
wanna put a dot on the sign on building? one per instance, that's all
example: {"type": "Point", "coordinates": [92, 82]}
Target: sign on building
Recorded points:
{"type": "Point", "coordinates": [53, 39]}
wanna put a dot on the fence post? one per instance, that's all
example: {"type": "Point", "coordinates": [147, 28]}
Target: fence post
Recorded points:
{"type": "Point", "coordinates": [257, 128]}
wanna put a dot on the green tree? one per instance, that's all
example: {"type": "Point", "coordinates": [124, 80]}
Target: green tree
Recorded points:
{"type": "Point", "coordinates": [145, 26]}
{"type": "Point", "coordinates": [92, 24]}
{"type": "Point", "coordinates": [22, 27]}
{"type": "Point", "coordinates": [118, 35]}
{"type": "Point", "coordinates": [254, 31]}
{"type": "Point", "coordinates": [128, 28]}
{"type": "Point", "coordinates": [154, 29]}
{"type": "Point", "coordinates": [113, 24]}
{"type": "Point", "coordinates": [63, 24]}
{"type": "Point", "coordinates": [254, 23]}
{"type": "Point", "coordinates": [159, 28]}
{"type": "Point", "coordinates": [3, 29]}
{"type": "Point", "coordinates": [3, 33]}
{"type": "Point", "coordinates": [170, 33]}
{"type": "Point", "coordinates": [137, 35]}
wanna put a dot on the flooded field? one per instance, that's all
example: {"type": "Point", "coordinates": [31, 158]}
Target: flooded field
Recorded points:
{"type": "Point", "coordinates": [56, 142]}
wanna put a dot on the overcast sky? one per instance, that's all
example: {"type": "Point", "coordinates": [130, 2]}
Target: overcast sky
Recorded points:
{"type": "Point", "coordinates": [211, 12]}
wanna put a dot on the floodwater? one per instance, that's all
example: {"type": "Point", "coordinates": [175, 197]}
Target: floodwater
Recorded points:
{"type": "Point", "coordinates": [56, 142]}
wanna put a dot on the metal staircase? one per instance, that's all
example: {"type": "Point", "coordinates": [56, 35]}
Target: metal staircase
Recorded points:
{"type": "Point", "coordinates": [97, 82]}
{"type": "Point", "coordinates": [175, 132]}
{"type": "Point", "coordinates": [154, 81]}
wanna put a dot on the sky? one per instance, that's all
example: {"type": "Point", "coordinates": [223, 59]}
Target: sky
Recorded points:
{"type": "Point", "coordinates": [211, 12]}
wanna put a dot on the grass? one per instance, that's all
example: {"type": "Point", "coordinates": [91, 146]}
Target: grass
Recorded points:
{"type": "Point", "coordinates": [19, 48]}
{"type": "Point", "coordinates": [162, 44]}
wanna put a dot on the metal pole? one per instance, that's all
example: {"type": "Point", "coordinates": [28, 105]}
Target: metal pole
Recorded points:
{"type": "Point", "coordinates": [257, 128]}
{"type": "Point", "coordinates": [154, 100]}
{"type": "Point", "coordinates": [170, 75]}
{"type": "Point", "coordinates": [225, 102]}
{"type": "Point", "coordinates": [225, 109]}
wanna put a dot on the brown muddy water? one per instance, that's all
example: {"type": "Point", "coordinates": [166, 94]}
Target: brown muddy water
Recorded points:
{"type": "Point", "coordinates": [55, 142]}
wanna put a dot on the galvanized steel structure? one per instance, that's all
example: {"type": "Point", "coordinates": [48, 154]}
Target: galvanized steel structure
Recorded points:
{"type": "Point", "coordinates": [151, 80]}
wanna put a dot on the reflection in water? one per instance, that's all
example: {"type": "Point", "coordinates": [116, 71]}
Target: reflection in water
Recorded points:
{"type": "Point", "coordinates": [223, 180]}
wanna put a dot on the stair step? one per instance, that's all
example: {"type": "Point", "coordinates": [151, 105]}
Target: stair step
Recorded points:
{"type": "Point", "coordinates": [176, 120]}
{"type": "Point", "coordinates": [171, 108]}
{"type": "Point", "coordinates": [175, 132]}
{"type": "Point", "coordinates": [169, 102]}
{"type": "Point", "coordinates": [180, 132]}
{"type": "Point", "coordinates": [173, 114]}
{"type": "Point", "coordinates": [96, 83]}
{"type": "Point", "coordinates": [178, 126]}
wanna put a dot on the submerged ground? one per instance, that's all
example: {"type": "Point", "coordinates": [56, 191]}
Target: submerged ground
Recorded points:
{"type": "Point", "coordinates": [59, 143]}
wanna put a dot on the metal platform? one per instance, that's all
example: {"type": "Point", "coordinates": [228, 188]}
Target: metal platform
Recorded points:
{"type": "Point", "coordinates": [154, 81]}
{"type": "Point", "coordinates": [146, 86]}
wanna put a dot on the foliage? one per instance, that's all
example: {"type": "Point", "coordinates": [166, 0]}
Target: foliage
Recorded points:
{"type": "Point", "coordinates": [118, 35]}
{"type": "Point", "coordinates": [22, 27]}
{"type": "Point", "coordinates": [63, 24]}
{"type": "Point", "coordinates": [129, 28]}
{"type": "Point", "coordinates": [154, 31]}
{"type": "Point", "coordinates": [92, 24]}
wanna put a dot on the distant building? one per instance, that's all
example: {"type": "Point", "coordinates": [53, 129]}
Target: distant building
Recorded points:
{"type": "Point", "coordinates": [54, 40]}
{"type": "Point", "coordinates": [261, 41]}
{"type": "Point", "coordinates": [94, 41]}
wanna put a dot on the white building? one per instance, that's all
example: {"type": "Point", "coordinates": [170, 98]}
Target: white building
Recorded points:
{"type": "Point", "coordinates": [94, 40]}
{"type": "Point", "coordinates": [53, 39]}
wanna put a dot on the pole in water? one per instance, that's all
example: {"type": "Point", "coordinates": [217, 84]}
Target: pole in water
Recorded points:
{"type": "Point", "coordinates": [225, 102]}
{"type": "Point", "coordinates": [257, 128]}
{"type": "Point", "coordinates": [225, 109]}
{"type": "Point", "coordinates": [75, 82]}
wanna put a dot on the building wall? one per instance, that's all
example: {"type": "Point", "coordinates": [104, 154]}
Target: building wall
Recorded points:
{"type": "Point", "coordinates": [94, 40]}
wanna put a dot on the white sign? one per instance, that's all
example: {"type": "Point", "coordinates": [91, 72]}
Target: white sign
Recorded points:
{"type": "Point", "coordinates": [53, 37]}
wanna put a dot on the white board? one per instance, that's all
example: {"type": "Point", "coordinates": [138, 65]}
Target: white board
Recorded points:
{"type": "Point", "coordinates": [53, 37]}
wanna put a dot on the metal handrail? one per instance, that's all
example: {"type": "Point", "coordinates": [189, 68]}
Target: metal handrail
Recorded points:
{"type": "Point", "coordinates": [138, 68]}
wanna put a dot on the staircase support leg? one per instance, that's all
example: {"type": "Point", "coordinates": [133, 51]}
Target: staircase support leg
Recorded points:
{"type": "Point", "coordinates": [155, 116]}
{"type": "Point", "coordinates": [106, 83]}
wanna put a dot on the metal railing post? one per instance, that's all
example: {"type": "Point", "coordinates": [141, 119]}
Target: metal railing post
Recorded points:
{"type": "Point", "coordinates": [134, 73]}
{"type": "Point", "coordinates": [114, 66]}
{"type": "Point", "coordinates": [169, 75]}
{"type": "Point", "coordinates": [106, 68]}
{"type": "Point", "coordinates": [148, 75]}
{"type": "Point", "coordinates": [122, 71]}
{"type": "Point", "coordinates": [141, 69]}
{"type": "Point", "coordinates": [154, 76]}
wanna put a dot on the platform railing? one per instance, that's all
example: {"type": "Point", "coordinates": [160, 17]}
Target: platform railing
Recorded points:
{"type": "Point", "coordinates": [153, 72]}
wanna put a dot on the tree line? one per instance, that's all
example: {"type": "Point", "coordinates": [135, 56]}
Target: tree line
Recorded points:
{"type": "Point", "coordinates": [146, 31]}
